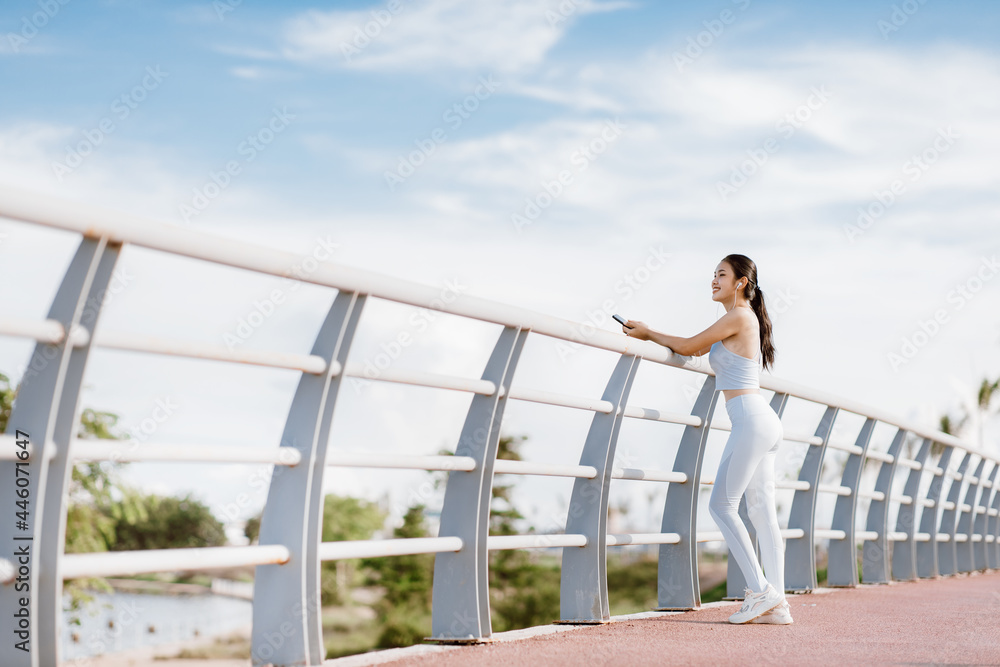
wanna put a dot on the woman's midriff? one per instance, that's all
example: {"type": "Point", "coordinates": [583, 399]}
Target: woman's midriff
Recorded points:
{"type": "Point", "coordinates": [730, 393]}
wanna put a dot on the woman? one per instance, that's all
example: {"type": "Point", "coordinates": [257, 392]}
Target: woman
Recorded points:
{"type": "Point", "coordinates": [748, 460]}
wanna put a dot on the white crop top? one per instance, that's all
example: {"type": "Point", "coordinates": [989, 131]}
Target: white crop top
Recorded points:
{"type": "Point", "coordinates": [733, 371]}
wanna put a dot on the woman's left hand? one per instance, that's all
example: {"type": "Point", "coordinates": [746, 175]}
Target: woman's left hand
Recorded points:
{"type": "Point", "coordinates": [636, 329]}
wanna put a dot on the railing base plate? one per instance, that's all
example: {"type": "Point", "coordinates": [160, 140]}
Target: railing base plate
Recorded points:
{"type": "Point", "coordinates": [676, 608]}
{"type": "Point", "coordinates": [563, 621]}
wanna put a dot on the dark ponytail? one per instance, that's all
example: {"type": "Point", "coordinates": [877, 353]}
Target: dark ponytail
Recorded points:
{"type": "Point", "coordinates": [743, 267]}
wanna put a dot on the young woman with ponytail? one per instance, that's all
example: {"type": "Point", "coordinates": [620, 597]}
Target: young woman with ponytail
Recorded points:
{"type": "Point", "coordinates": [735, 342]}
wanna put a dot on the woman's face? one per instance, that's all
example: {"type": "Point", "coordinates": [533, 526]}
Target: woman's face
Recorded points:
{"type": "Point", "coordinates": [723, 283]}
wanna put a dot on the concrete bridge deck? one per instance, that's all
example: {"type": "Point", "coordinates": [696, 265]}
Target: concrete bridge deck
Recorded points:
{"type": "Point", "coordinates": [946, 621]}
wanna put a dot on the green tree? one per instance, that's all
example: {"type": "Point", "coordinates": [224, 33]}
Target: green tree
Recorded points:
{"type": "Point", "coordinates": [92, 490]}
{"type": "Point", "coordinates": [6, 401]}
{"type": "Point", "coordinates": [523, 590]}
{"type": "Point", "coordinates": [89, 527]}
{"type": "Point", "coordinates": [103, 514]}
{"type": "Point", "coordinates": [988, 392]}
{"type": "Point", "coordinates": [345, 518]}
{"type": "Point", "coordinates": [162, 522]}
{"type": "Point", "coordinates": [981, 405]}
{"type": "Point", "coordinates": [252, 529]}
{"type": "Point", "coordinates": [503, 513]}
{"type": "Point", "coordinates": [405, 608]}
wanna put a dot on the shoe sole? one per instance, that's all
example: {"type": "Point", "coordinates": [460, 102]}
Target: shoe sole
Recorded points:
{"type": "Point", "coordinates": [780, 615]}
{"type": "Point", "coordinates": [766, 620]}
{"type": "Point", "coordinates": [752, 618]}
{"type": "Point", "coordinates": [774, 618]}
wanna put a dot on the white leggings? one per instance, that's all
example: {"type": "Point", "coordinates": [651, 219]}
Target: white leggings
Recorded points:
{"type": "Point", "coordinates": [748, 465]}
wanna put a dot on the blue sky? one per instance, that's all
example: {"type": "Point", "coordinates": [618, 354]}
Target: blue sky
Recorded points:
{"type": "Point", "coordinates": [771, 140]}
{"type": "Point", "coordinates": [226, 69]}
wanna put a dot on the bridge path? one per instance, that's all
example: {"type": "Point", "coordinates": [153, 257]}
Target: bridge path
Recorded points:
{"type": "Point", "coordinates": [952, 620]}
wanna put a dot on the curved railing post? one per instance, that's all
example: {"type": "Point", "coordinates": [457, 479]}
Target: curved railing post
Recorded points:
{"type": "Point", "coordinates": [735, 579]}
{"type": "Point", "coordinates": [993, 528]}
{"type": "Point", "coordinates": [875, 553]}
{"type": "Point", "coordinates": [963, 550]}
{"type": "Point", "coordinates": [842, 555]}
{"type": "Point", "coordinates": [45, 414]}
{"type": "Point", "coordinates": [287, 625]}
{"type": "Point", "coordinates": [584, 577]}
{"type": "Point", "coordinates": [800, 552]}
{"type": "Point", "coordinates": [927, 552]}
{"type": "Point", "coordinates": [461, 593]}
{"type": "Point", "coordinates": [980, 549]}
{"type": "Point", "coordinates": [947, 554]}
{"type": "Point", "coordinates": [677, 575]}
{"type": "Point", "coordinates": [904, 552]}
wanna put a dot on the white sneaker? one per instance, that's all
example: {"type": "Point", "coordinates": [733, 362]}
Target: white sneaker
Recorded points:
{"type": "Point", "coordinates": [755, 604]}
{"type": "Point", "coordinates": [780, 615]}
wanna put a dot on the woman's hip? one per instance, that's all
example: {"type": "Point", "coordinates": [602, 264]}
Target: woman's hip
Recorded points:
{"type": "Point", "coordinates": [751, 403]}
{"type": "Point", "coordinates": [752, 410]}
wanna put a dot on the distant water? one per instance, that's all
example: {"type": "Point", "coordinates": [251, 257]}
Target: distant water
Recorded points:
{"type": "Point", "coordinates": [174, 618]}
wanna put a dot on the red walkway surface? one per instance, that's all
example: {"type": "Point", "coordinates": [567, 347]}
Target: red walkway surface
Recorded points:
{"type": "Point", "coordinates": [947, 621]}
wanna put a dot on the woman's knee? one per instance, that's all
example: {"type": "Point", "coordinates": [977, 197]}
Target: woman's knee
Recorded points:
{"type": "Point", "coordinates": [719, 504]}
{"type": "Point", "coordinates": [760, 502]}
{"type": "Point", "coordinates": [759, 513]}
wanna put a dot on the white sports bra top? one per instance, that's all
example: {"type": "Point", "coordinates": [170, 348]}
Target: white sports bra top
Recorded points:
{"type": "Point", "coordinates": [733, 371]}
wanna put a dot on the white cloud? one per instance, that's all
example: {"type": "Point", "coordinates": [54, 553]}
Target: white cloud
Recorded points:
{"type": "Point", "coordinates": [683, 133]}
{"type": "Point", "coordinates": [246, 72]}
{"type": "Point", "coordinates": [143, 179]}
{"type": "Point", "coordinates": [687, 133]}
{"type": "Point", "coordinates": [246, 52]}
{"type": "Point", "coordinates": [29, 149]}
{"type": "Point", "coordinates": [502, 37]}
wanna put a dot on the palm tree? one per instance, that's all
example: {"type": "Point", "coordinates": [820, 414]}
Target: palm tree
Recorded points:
{"type": "Point", "coordinates": [987, 392]}
{"type": "Point", "coordinates": [977, 410]}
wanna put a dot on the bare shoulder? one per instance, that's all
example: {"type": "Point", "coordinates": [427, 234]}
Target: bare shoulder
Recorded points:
{"type": "Point", "coordinates": [747, 317]}
{"type": "Point", "coordinates": [744, 318]}
{"type": "Point", "coordinates": [749, 329]}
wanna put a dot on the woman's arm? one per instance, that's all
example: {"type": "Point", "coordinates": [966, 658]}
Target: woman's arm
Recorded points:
{"type": "Point", "coordinates": [724, 327]}
{"type": "Point", "coordinates": [641, 331]}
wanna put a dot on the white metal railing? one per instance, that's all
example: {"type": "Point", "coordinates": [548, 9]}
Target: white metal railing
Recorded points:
{"type": "Point", "coordinates": [291, 517]}
{"type": "Point", "coordinates": [104, 564]}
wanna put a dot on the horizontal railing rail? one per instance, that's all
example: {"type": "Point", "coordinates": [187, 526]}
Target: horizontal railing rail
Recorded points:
{"type": "Point", "coordinates": [952, 532]}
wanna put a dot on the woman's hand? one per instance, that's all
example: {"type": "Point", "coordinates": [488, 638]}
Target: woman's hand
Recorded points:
{"type": "Point", "coordinates": [636, 329]}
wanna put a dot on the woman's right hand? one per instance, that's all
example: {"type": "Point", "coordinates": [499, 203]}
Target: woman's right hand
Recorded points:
{"type": "Point", "coordinates": [636, 329]}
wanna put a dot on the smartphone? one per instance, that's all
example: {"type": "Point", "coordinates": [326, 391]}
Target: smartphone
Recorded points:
{"type": "Point", "coordinates": [621, 320]}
